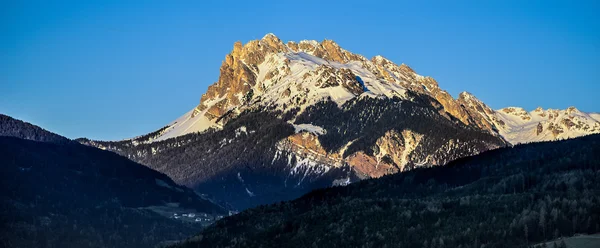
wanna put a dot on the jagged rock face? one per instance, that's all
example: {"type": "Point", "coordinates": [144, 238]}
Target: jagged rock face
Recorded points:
{"type": "Point", "coordinates": [452, 107]}
{"type": "Point", "coordinates": [390, 147]}
{"type": "Point", "coordinates": [307, 145]}
{"type": "Point", "coordinates": [391, 155]}
{"type": "Point", "coordinates": [479, 113]}
{"type": "Point", "coordinates": [367, 166]}
{"type": "Point", "coordinates": [240, 71]}
{"type": "Point", "coordinates": [262, 70]}
{"type": "Point", "coordinates": [406, 76]}
{"type": "Point", "coordinates": [396, 148]}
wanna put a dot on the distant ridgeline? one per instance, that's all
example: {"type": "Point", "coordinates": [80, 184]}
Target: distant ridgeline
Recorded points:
{"type": "Point", "coordinates": [510, 197]}
{"type": "Point", "coordinates": [59, 193]}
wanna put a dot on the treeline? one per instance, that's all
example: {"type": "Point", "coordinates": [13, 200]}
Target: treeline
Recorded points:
{"type": "Point", "coordinates": [510, 197]}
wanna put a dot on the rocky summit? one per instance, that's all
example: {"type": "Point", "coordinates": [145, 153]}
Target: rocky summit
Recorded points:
{"type": "Point", "coordinates": [286, 118]}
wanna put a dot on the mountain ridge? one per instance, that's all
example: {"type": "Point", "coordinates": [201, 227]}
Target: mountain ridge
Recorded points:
{"type": "Point", "coordinates": [248, 70]}
{"type": "Point", "coordinates": [337, 117]}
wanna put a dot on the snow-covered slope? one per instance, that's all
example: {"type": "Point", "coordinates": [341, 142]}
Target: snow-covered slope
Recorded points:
{"type": "Point", "coordinates": [187, 123]}
{"type": "Point", "coordinates": [595, 116]}
{"type": "Point", "coordinates": [301, 80]}
{"type": "Point", "coordinates": [519, 126]}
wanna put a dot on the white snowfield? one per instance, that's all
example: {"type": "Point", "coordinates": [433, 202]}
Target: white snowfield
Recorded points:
{"type": "Point", "coordinates": [545, 125]}
{"type": "Point", "coordinates": [595, 116]}
{"type": "Point", "coordinates": [187, 124]}
{"type": "Point", "coordinates": [302, 82]}
{"type": "Point", "coordinates": [316, 130]}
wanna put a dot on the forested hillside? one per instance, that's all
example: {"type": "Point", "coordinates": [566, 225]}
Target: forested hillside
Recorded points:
{"type": "Point", "coordinates": [16, 128]}
{"type": "Point", "coordinates": [59, 193]}
{"type": "Point", "coordinates": [56, 195]}
{"type": "Point", "coordinates": [510, 197]}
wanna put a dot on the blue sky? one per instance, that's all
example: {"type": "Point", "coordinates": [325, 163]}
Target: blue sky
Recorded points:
{"type": "Point", "coordinates": [116, 69]}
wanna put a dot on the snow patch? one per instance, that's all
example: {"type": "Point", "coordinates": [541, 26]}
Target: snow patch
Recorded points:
{"type": "Point", "coordinates": [309, 128]}
{"type": "Point", "coordinates": [239, 176]}
{"type": "Point", "coordinates": [249, 192]}
{"type": "Point", "coordinates": [241, 130]}
{"type": "Point", "coordinates": [191, 122]}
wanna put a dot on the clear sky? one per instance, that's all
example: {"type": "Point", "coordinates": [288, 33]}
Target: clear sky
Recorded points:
{"type": "Point", "coordinates": [116, 69]}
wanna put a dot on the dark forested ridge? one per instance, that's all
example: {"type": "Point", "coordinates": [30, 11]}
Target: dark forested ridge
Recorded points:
{"type": "Point", "coordinates": [227, 164]}
{"type": "Point", "coordinates": [64, 194]}
{"type": "Point", "coordinates": [510, 197]}
{"type": "Point", "coordinates": [16, 128]}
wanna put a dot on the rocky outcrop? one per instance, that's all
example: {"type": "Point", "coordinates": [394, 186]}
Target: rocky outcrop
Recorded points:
{"type": "Point", "coordinates": [306, 145]}
{"type": "Point", "coordinates": [368, 167]}
{"type": "Point", "coordinates": [540, 129]}
{"type": "Point", "coordinates": [395, 148]}
{"type": "Point", "coordinates": [479, 113]}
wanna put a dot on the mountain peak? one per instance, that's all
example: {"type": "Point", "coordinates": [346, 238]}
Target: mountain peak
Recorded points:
{"type": "Point", "coordinates": [269, 36]}
{"type": "Point", "coordinates": [465, 94]}
{"type": "Point", "coordinates": [237, 48]}
{"type": "Point", "coordinates": [327, 42]}
{"type": "Point", "coordinates": [312, 42]}
{"type": "Point", "coordinates": [406, 67]}
{"type": "Point", "coordinates": [273, 41]}
{"type": "Point", "coordinates": [572, 109]}
{"type": "Point", "coordinates": [380, 60]}
{"type": "Point", "coordinates": [515, 111]}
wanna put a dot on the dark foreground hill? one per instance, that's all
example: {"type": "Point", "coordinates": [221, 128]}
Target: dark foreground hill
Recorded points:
{"type": "Point", "coordinates": [60, 193]}
{"type": "Point", "coordinates": [16, 128]}
{"type": "Point", "coordinates": [510, 197]}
